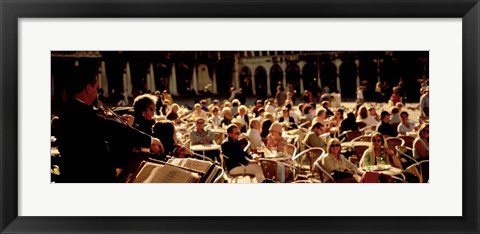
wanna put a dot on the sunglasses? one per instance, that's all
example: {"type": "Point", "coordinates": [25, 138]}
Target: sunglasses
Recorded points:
{"type": "Point", "coordinates": [335, 145]}
{"type": "Point", "coordinates": [376, 140]}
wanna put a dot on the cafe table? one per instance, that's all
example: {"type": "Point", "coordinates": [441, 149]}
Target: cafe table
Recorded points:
{"type": "Point", "coordinates": [205, 147]}
{"type": "Point", "coordinates": [385, 169]}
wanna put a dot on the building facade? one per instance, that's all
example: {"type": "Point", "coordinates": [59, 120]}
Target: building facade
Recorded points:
{"type": "Point", "coordinates": [257, 73]}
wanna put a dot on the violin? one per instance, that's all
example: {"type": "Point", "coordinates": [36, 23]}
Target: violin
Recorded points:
{"type": "Point", "coordinates": [105, 111]}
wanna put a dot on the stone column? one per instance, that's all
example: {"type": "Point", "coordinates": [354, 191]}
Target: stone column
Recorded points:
{"type": "Point", "coordinates": [236, 76]}
{"type": "Point", "coordinates": [104, 79]}
{"type": "Point", "coordinates": [172, 84]}
{"type": "Point", "coordinates": [254, 85]}
{"type": "Point", "coordinates": [214, 79]}
{"type": "Point", "coordinates": [128, 83]}
{"type": "Point", "coordinates": [284, 80]}
{"type": "Point", "coordinates": [269, 91]}
{"type": "Point", "coordinates": [377, 61]}
{"type": "Point", "coordinates": [153, 86]}
{"type": "Point", "coordinates": [357, 63]}
{"type": "Point", "coordinates": [338, 63]}
{"type": "Point", "coordinates": [193, 84]}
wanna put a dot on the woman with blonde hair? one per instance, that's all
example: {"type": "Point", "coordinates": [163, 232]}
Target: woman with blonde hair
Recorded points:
{"type": "Point", "coordinates": [363, 116]}
{"type": "Point", "coordinates": [379, 153]}
{"type": "Point", "coordinates": [421, 144]}
{"type": "Point", "coordinates": [334, 162]}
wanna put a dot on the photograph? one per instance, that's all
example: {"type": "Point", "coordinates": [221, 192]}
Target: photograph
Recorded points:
{"type": "Point", "coordinates": [240, 116]}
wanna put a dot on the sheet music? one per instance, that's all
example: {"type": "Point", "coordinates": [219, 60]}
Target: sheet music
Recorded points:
{"type": "Point", "coordinates": [172, 174]}
{"type": "Point", "coordinates": [197, 165]}
{"type": "Point", "coordinates": [147, 172]}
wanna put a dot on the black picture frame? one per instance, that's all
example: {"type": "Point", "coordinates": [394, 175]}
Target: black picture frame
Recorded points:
{"type": "Point", "coordinates": [11, 11]}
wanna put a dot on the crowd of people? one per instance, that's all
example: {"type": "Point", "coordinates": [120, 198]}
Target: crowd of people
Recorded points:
{"type": "Point", "coordinates": [88, 141]}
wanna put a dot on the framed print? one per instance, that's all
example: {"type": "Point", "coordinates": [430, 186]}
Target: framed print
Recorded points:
{"type": "Point", "coordinates": [30, 30]}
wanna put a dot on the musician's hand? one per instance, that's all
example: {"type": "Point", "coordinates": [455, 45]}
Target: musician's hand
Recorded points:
{"type": "Point", "coordinates": [156, 146]}
{"type": "Point", "coordinates": [129, 119]}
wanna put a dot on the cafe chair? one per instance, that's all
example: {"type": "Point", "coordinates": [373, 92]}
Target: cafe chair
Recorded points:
{"type": "Point", "coordinates": [393, 142]}
{"type": "Point", "coordinates": [270, 170]}
{"type": "Point", "coordinates": [218, 137]}
{"type": "Point", "coordinates": [306, 125]}
{"type": "Point", "coordinates": [358, 153]}
{"type": "Point", "coordinates": [408, 140]}
{"type": "Point", "coordinates": [291, 150]}
{"type": "Point", "coordinates": [243, 140]}
{"type": "Point", "coordinates": [425, 170]}
{"type": "Point", "coordinates": [416, 170]}
{"type": "Point", "coordinates": [304, 160]}
{"type": "Point", "coordinates": [220, 177]}
{"type": "Point", "coordinates": [396, 179]}
{"type": "Point", "coordinates": [350, 135]}
{"type": "Point", "coordinates": [362, 139]}
{"type": "Point", "coordinates": [325, 176]}
{"type": "Point", "coordinates": [247, 147]}
{"type": "Point", "coordinates": [361, 125]}
{"type": "Point", "coordinates": [404, 153]}
{"type": "Point", "coordinates": [234, 177]}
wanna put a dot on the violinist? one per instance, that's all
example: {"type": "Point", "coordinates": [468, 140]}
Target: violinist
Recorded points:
{"type": "Point", "coordinates": [144, 106]}
{"type": "Point", "coordinates": [85, 137]}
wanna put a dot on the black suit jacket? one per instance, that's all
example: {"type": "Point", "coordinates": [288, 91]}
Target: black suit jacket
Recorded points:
{"type": "Point", "coordinates": [84, 143]}
{"type": "Point", "coordinates": [234, 151]}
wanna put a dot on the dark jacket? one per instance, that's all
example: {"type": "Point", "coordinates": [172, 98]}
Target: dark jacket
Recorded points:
{"type": "Point", "coordinates": [85, 139]}
{"type": "Point", "coordinates": [234, 151]}
{"type": "Point", "coordinates": [386, 129]}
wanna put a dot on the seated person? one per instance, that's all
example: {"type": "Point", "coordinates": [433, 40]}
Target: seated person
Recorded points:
{"type": "Point", "coordinates": [275, 141]}
{"type": "Point", "coordinates": [406, 125]}
{"type": "Point", "coordinates": [254, 134]}
{"type": "Point", "coordinates": [144, 106]}
{"type": "Point", "coordinates": [200, 135]}
{"type": "Point", "coordinates": [421, 145]}
{"type": "Point", "coordinates": [334, 162]}
{"type": "Point", "coordinates": [238, 160]}
{"type": "Point", "coordinates": [378, 152]}
{"type": "Point", "coordinates": [363, 116]}
{"type": "Point", "coordinates": [384, 127]}
{"type": "Point", "coordinates": [258, 105]}
{"type": "Point", "coordinates": [242, 117]}
{"type": "Point", "coordinates": [287, 120]}
{"type": "Point", "coordinates": [165, 131]}
{"type": "Point", "coordinates": [265, 129]}
{"type": "Point", "coordinates": [227, 117]}
{"type": "Point", "coordinates": [395, 116]}
{"type": "Point", "coordinates": [215, 119]}
{"type": "Point", "coordinates": [313, 138]}
{"type": "Point", "coordinates": [173, 115]}
{"type": "Point", "coordinates": [198, 112]}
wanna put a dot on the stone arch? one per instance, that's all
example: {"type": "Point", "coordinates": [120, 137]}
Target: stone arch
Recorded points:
{"type": "Point", "coordinates": [246, 80]}
{"type": "Point", "coordinates": [162, 73]}
{"type": "Point", "coordinates": [348, 78]}
{"type": "Point", "coordinates": [203, 77]}
{"type": "Point", "coordinates": [184, 76]}
{"type": "Point", "coordinates": [309, 76]}
{"type": "Point", "coordinates": [328, 73]}
{"type": "Point", "coordinates": [293, 76]}
{"type": "Point", "coordinates": [224, 76]}
{"type": "Point", "coordinates": [276, 78]}
{"type": "Point", "coordinates": [261, 81]}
